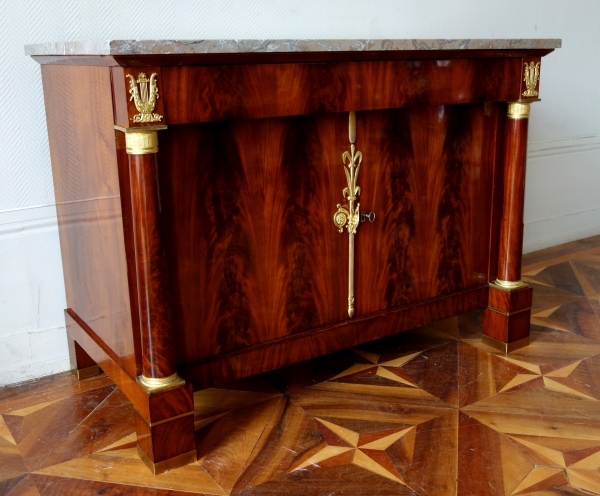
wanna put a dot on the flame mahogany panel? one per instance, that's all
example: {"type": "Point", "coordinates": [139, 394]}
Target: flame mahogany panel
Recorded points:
{"type": "Point", "coordinates": [209, 93]}
{"type": "Point", "coordinates": [247, 208]}
{"type": "Point", "coordinates": [247, 221]}
{"type": "Point", "coordinates": [427, 174]}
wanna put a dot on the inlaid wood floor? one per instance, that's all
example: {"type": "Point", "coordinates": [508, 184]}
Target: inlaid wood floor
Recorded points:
{"type": "Point", "coordinates": [430, 412]}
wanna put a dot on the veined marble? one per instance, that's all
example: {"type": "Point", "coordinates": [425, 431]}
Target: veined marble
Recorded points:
{"type": "Point", "coordinates": [165, 47]}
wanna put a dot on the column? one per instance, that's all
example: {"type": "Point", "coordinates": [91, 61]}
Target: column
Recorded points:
{"type": "Point", "coordinates": [166, 438]}
{"type": "Point", "coordinates": [506, 320]}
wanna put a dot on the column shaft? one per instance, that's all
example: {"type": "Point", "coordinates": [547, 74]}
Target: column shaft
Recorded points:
{"type": "Point", "coordinates": [511, 226]}
{"type": "Point", "coordinates": [158, 361]}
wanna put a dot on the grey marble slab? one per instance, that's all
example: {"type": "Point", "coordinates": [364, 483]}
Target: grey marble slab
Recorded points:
{"type": "Point", "coordinates": [165, 47]}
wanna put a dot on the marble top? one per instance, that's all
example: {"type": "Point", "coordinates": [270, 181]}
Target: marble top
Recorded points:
{"type": "Point", "coordinates": [166, 47]}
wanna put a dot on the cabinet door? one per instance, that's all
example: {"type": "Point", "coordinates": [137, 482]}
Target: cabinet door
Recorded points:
{"type": "Point", "coordinates": [252, 251]}
{"type": "Point", "coordinates": [248, 205]}
{"type": "Point", "coordinates": [427, 173]}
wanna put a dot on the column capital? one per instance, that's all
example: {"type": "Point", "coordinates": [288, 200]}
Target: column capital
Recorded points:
{"type": "Point", "coordinates": [141, 140]}
{"type": "Point", "coordinates": [519, 110]}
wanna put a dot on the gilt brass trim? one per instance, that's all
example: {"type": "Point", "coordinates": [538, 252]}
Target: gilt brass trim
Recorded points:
{"type": "Point", "coordinates": [509, 285]}
{"type": "Point", "coordinates": [532, 76]}
{"type": "Point", "coordinates": [519, 110]}
{"type": "Point", "coordinates": [502, 346]}
{"type": "Point", "coordinates": [349, 216]}
{"type": "Point", "coordinates": [166, 465]}
{"type": "Point", "coordinates": [141, 142]}
{"type": "Point", "coordinates": [144, 94]}
{"type": "Point", "coordinates": [155, 384]}
{"type": "Point", "coordinates": [508, 314]}
{"type": "Point", "coordinates": [86, 372]}
{"type": "Point", "coordinates": [160, 127]}
{"type": "Point", "coordinates": [164, 421]}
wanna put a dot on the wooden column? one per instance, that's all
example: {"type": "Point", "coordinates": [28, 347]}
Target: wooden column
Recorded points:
{"type": "Point", "coordinates": [158, 363]}
{"type": "Point", "coordinates": [506, 320]}
{"type": "Point", "coordinates": [170, 442]}
{"type": "Point", "coordinates": [511, 227]}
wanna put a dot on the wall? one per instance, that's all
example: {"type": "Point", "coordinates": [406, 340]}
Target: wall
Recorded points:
{"type": "Point", "coordinates": [562, 202]}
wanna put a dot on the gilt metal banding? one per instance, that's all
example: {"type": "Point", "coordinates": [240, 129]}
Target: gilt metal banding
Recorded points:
{"type": "Point", "coordinates": [349, 216]}
{"type": "Point", "coordinates": [519, 110]}
{"type": "Point", "coordinates": [141, 140]}
{"type": "Point", "coordinates": [154, 384]}
{"type": "Point", "coordinates": [505, 347]}
{"type": "Point", "coordinates": [141, 143]}
{"type": "Point", "coordinates": [509, 285]}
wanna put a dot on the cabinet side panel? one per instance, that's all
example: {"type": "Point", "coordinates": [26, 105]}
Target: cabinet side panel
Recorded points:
{"type": "Point", "coordinates": [86, 183]}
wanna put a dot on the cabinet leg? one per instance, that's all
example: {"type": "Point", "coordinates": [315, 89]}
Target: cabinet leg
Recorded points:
{"type": "Point", "coordinates": [82, 365]}
{"type": "Point", "coordinates": [167, 443]}
{"type": "Point", "coordinates": [506, 320]}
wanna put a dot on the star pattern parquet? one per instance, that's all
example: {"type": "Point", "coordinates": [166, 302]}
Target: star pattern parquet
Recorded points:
{"type": "Point", "coordinates": [431, 411]}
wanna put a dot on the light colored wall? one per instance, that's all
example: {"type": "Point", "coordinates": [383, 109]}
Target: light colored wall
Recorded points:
{"type": "Point", "coordinates": [563, 180]}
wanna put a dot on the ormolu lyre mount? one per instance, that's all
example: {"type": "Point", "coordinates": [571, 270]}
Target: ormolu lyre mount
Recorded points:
{"type": "Point", "coordinates": [349, 216]}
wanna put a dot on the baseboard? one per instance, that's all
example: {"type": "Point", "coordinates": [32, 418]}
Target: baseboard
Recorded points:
{"type": "Point", "coordinates": [564, 229]}
{"type": "Point", "coordinates": [33, 370]}
{"type": "Point", "coordinates": [561, 198]}
{"type": "Point", "coordinates": [28, 220]}
{"type": "Point", "coordinates": [33, 339]}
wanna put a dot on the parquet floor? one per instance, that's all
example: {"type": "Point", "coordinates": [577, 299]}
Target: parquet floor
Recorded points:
{"type": "Point", "coordinates": [430, 412]}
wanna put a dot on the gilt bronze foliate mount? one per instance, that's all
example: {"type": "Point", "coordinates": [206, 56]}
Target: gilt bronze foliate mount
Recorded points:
{"type": "Point", "coordinates": [349, 216]}
{"type": "Point", "coordinates": [144, 94]}
{"type": "Point", "coordinates": [532, 76]}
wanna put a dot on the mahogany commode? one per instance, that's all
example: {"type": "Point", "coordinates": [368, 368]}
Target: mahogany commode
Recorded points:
{"type": "Point", "coordinates": [201, 188]}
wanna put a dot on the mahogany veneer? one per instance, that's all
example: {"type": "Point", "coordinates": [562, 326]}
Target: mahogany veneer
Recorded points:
{"type": "Point", "coordinates": [215, 256]}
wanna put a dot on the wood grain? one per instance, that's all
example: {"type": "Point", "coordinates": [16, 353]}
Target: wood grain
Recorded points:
{"type": "Point", "coordinates": [302, 346]}
{"type": "Point", "coordinates": [422, 171]}
{"type": "Point", "coordinates": [78, 357]}
{"type": "Point", "coordinates": [224, 243]}
{"type": "Point", "coordinates": [210, 93]}
{"type": "Point", "coordinates": [154, 310]}
{"type": "Point", "coordinates": [525, 422]}
{"type": "Point", "coordinates": [254, 242]}
{"type": "Point", "coordinates": [160, 406]}
{"type": "Point", "coordinates": [511, 227]}
{"type": "Point", "coordinates": [165, 440]}
{"type": "Point", "coordinates": [88, 204]}
{"type": "Point", "coordinates": [253, 239]}
{"type": "Point", "coordinates": [510, 301]}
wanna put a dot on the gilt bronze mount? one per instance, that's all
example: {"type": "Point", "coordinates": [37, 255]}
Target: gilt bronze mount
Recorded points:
{"type": "Point", "coordinates": [349, 216]}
